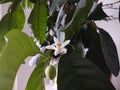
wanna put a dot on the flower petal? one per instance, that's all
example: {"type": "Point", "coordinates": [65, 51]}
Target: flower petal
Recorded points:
{"type": "Point", "coordinates": [65, 43]}
{"type": "Point", "coordinates": [56, 52]}
{"type": "Point", "coordinates": [62, 37]}
{"type": "Point", "coordinates": [50, 47]}
{"type": "Point", "coordinates": [63, 50]}
{"type": "Point", "coordinates": [56, 40]}
{"type": "Point", "coordinates": [51, 33]}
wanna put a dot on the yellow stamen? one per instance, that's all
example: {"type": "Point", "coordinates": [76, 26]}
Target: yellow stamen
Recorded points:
{"type": "Point", "coordinates": [58, 44]}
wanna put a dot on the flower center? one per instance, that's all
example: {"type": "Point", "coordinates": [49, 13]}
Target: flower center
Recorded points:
{"type": "Point", "coordinates": [58, 44]}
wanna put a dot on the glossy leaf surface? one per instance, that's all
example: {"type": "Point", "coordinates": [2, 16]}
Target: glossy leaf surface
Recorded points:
{"type": "Point", "coordinates": [78, 19]}
{"type": "Point", "coordinates": [76, 73]}
{"type": "Point", "coordinates": [98, 13]}
{"type": "Point", "coordinates": [38, 21]}
{"type": "Point", "coordinates": [91, 40]}
{"type": "Point", "coordinates": [11, 21]}
{"type": "Point", "coordinates": [17, 47]}
{"type": "Point", "coordinates": [35, 81]}
{"type": "Point", "coordinates": [110, 52]}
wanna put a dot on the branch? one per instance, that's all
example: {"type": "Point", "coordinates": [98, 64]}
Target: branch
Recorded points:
{"type": "Point", "coordinates": [111, 8]}
{"type": "Point", "coordinates": [112, 18]}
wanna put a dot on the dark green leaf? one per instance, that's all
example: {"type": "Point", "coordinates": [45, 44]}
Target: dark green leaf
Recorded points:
{"type": "Point", "coordinates": [17, 47]}
{"type": "Point", "coordinates": [76, 73]}
{"type": "Point", "coordinates": [79, 17]}
{"type": "Point", "coordinates": [38, 20]}
{"type": "Point", "coordinates": [91, 40]}
{"type": "Point", "coordinates": [110, 52]}
{"type": "Point", "coordinates": [39, 1]}
{"type": "Point", "coordinates": [6, 24]}
{"type": "Point", "coordinates": [14, 5]}
{"type": "Point", "coordinates": [5, 1]}
{"type": "Point", "coordinates": [33, 1]}
{"type": "Point", "coordinates": [98, 13]}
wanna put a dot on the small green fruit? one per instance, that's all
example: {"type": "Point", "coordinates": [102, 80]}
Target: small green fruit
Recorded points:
{"type": "Point", "coordinates": [50, 72]}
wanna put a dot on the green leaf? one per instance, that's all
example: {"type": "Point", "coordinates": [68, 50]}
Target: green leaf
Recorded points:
{"type": "Point", "coordinates": [91, 40]}
{"type": "Point", "coordinates": [26, 3]}
{"type": "Point", "coordinates": [38, 21]}
{"type": "Point", "coordinates": [98, 13]}
{"type": "Point", "coordinates": [5, 1]}
{"type": "Point", "coordinates": [77, 73]}
{"type": "Point", "coordinates": [6, 24]}
{"type": "Point", "coordinates": [44, 2]}
{"type": "Point", "coordinates": [33, 1]}
{"type": "Point", "coordinates": [79, 17]}
{"type": "Point", "coordinates": [110, 52]}
{"type": "Point", "coordinates": [19, 16]}
{"type": "Point", "coordinates": [11, 21]}
{"type": "Point", "coordinates": [29, 4]}
{"type": "Point", "coordinates": [14, 6]}
{"type": "Point", "coordinates": [36, 81]}
{"type": "Point", "coordinates": [2, 43]}
{"type": "Point", "coordinates": [18, 46]}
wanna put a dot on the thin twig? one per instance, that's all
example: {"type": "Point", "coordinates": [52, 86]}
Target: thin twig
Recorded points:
{"type": "Point", "coordinates": [111, 8]}
{"type": "Point", "coordinates": [110, 4]}
{"type": "Point", "coordinates": [112, 18]}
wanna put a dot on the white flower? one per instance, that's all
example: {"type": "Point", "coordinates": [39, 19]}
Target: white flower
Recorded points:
{"type": "Point", "coordinates": [58, 46]}
{"type": "Point", "coordinates": [34, 60]}
{"type": "Point", "coordinates": [51, 33]}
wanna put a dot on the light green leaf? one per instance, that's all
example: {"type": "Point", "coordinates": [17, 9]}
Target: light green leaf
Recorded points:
{"type": "Point", "coordinates": [6, 24]}
{"type": "Point", "coordinates": [2, 43]}
{"type": "Point", "coordinates": [18, 46]}
{"type": "Point", "coordinates": [11, 21]}
{"type": "Point", "coordinates": [19, 16]}
{"type": "Point", "coordinates": [38, 21]}
{"type": "Point", "coordinates": [35, 81]}
{"type": "Point", "coordinates": [26, 3]}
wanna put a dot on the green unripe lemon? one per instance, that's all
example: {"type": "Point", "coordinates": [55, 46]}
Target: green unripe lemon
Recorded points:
{"type": "Point", "coordinates": [50, 72]}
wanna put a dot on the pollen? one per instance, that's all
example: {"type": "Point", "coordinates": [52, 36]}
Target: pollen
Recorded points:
{"type": "Point", "coordinates": [58, 44]}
